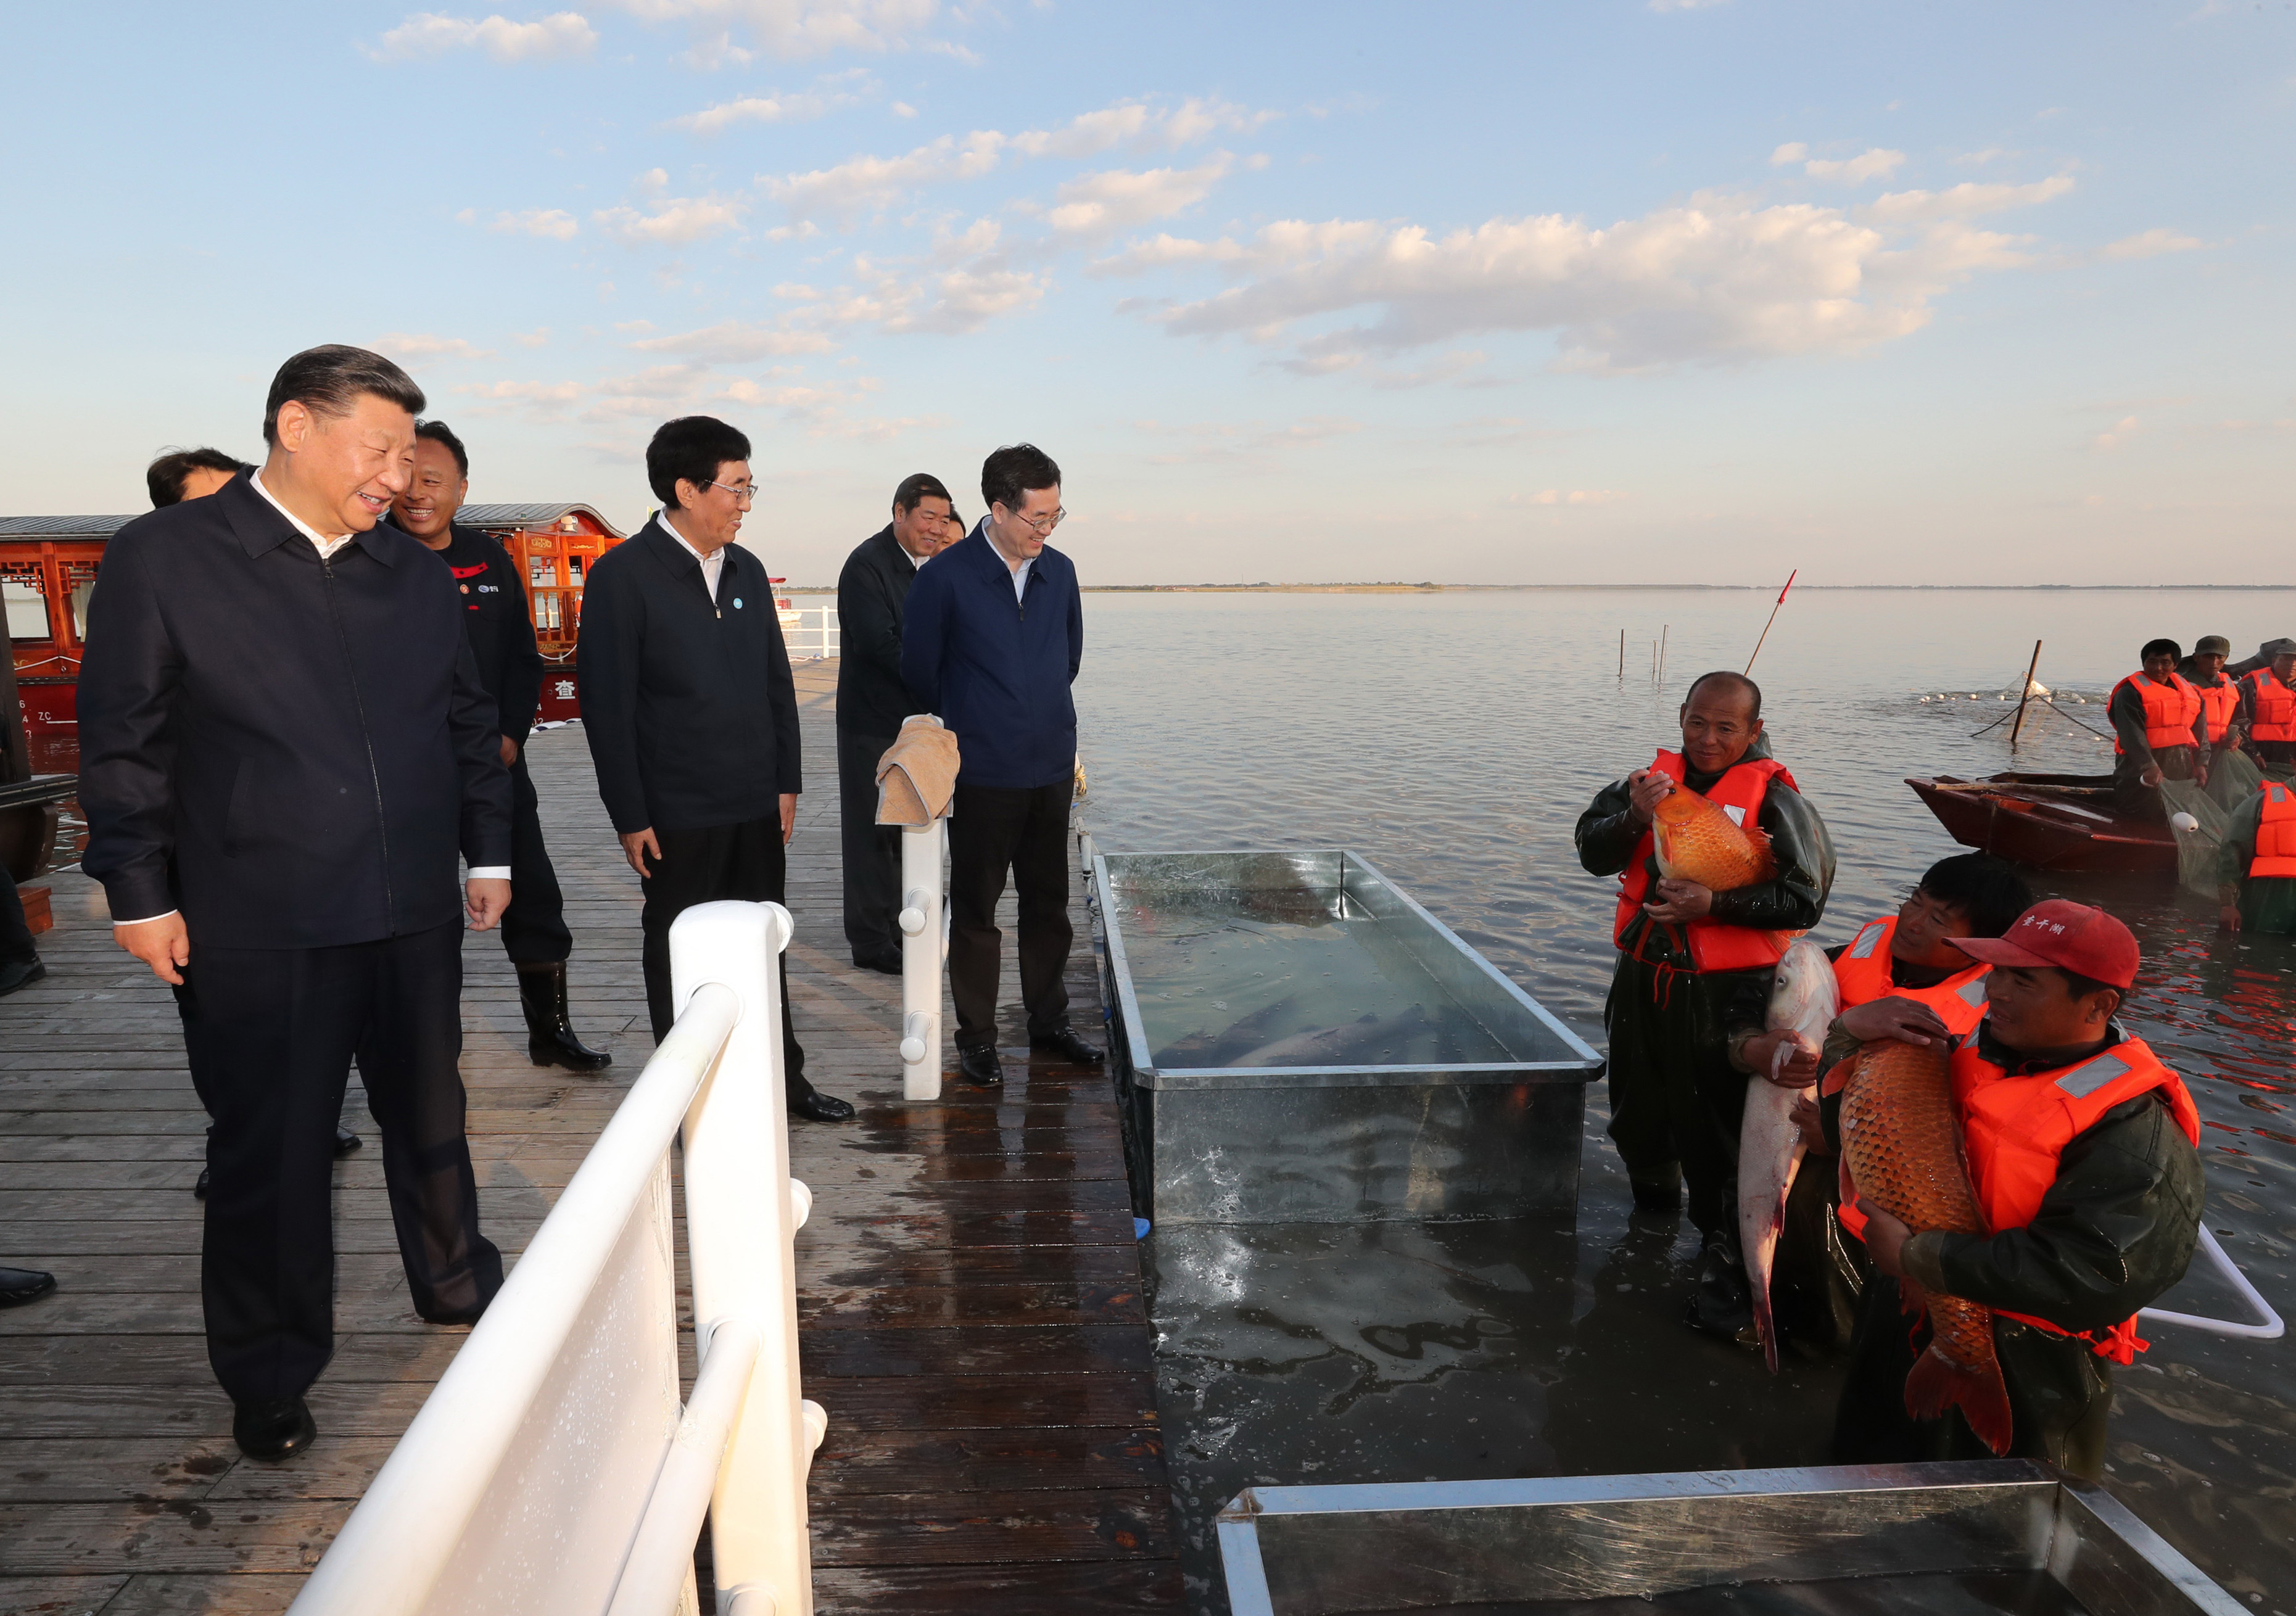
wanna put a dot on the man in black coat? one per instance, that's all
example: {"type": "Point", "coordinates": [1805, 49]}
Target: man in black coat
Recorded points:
{"type": "Point", "coordinates": [500, 632]}
{"type": "Point", "coordinates": [691, 714]}
{"type": "Point", "coordinates": [284, 748]}
{"type": "Point", "coordinates": [872, 701]}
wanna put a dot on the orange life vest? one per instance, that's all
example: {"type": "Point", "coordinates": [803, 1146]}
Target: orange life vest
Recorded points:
{"type": "Point", "coordinates": [2276, 708]}
{"type": "Point", "coordinates": [2275, 834]}
{"type": "Point", "coordinates": [1863, 975]}
{"type": "Point", "coordinates": [2220, 700]}
{"type": "Point", "coordinates": [1713, 946]}
{"type": "Point", "coordinates": [2014, 1130]}
{"type": "Point", "coordinates": [2169, 710]}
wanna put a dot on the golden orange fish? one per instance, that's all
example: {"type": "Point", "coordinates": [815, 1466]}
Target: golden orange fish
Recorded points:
{"type": "Point", "coordinates": [1698, 841]}
{"type": "Point", "coordinates": [1901, 1150]}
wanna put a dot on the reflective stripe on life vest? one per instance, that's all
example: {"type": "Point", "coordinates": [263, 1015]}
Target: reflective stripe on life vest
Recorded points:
{"type": "Point", "coordinates": [1863, 975]}
{"type": "Point", "coordinates": [2170, 710]}
{"type": "Point", "coordinates": [2275, 834]}
{"type": "Point", "coordinates": [2219, 702]}
{"type": "Point", "coordinates": [2014, 1131]}
{"type": "Point", "coordinates": [2275, 707]}
{"type": "Point", "coordinates": [1712, 945]}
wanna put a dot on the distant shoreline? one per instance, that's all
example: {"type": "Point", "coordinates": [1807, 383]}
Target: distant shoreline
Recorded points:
{"type": "Point", "coordinates": [1558, 588]}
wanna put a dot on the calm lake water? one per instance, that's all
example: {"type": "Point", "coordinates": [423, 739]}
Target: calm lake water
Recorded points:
{"type": "Point", "coordinates": [1452, 739]}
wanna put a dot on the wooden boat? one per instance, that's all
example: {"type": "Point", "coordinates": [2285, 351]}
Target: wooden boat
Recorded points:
{"type": "Point", "coordinates": [2051, 822]}
{"type": "Point", "coordinates": [49, 564]}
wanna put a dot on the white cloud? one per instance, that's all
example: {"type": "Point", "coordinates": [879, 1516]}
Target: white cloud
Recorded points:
{"type": "Point", "coordinates": [553, 223]}
{"type": "Point", "coordinates": [1792, 151]}
{"type": "Point", "coordinates": [763, 108]}
{"type": "Point", "coordinates": [738, 342]}
{"type": "Point", "coordinates": [1567, 496]}
{"type": "Point", "coordinates": [795, 28]}
{"type": "Point", "coordinates": [2151, 244]}
{"type": "Point", "coordinates": [434, 34]}
{"type": "Point", "coordinates": [1872, 164]}
{"type": "Point", "coordinates": [1719, 279]}
{"type": "Point", "coordinates": [411, 345]}
{"type": "Point", "coordinates": [1098, 205]}
{"type": "Point", "coordinates": [673, 220]}
{"type": "Point", "coordinates": [870, 182]}
{"type": "Point", "coordinates": [539, 337]}
{"type": "Point", "coordinates": [2114, 436]}
{"type": "Point", "coordinates": [1965, 200]}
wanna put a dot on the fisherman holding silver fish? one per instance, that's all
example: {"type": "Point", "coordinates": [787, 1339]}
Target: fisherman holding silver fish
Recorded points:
{"type": "Point", "coordinates": [1721, 860]}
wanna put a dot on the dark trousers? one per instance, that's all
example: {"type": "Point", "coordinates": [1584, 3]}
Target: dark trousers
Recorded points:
{"type": "Point", "coordinates": [534, 927]}
{"type": "Point", "coordinates": [271, 1034]}
{"type": "Point", "coordinates": [1676, 1102]}
{"type": "Point", "coordinates": [742, 861]}
{"type": "Point", "coordinates": [2060, 1395]}
{"type": "Point", "coordinates": [992, 830]}
{"type": "Point", "coordinates": [15, 931]}
{"type": "Point", "coordinates": [873, 851]}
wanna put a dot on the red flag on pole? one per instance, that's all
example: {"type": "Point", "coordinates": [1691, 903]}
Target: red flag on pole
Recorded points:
{"type": "Point", "coordinates": [1774, 617]}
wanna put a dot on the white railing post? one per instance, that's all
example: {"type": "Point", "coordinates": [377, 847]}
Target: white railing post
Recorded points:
{"type": "Point", "coordinates": [924, 949]}
{"type": "Point", "coordinates": [741, 1213]}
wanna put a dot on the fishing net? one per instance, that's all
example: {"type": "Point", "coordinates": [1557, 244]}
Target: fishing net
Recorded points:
{"type": "Point", "coordinates": [2196, 848]}
{"type": "Point", "coordinates": [2233, 779]}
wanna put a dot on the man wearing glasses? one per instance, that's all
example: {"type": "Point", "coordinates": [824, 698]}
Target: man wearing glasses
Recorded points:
{"type": "Point", "coordinates": [691, 711]}
{"type": "Point", "coordinates": [991, 641]}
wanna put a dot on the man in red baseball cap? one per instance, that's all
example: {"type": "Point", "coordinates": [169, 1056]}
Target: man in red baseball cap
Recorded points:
{"type": "Point", "coordinates": [2084, 1151]}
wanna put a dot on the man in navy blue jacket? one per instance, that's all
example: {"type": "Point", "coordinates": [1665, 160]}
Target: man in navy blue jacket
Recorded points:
{"type": "Point", "coordinates": [284, 748]}
{"type": "Point", "coordinates": [992, 639]}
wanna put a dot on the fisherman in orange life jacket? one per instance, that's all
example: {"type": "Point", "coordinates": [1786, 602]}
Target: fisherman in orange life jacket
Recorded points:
{"type": "Point", "coordinates": [2267, 712]}
{"type": "Point", "coordinates": [2159, 725]}
{"type": "Point", "coordinates": [2256, 863]}
{"type": "Point", "coordinates": [1687, 958]}
{"type": "Point", "coordinates": [2220, 693]}
{"type": "Point", "coordinates": [2083, 1150]}
{"type": "Point", "coordinates": [1899, 976]}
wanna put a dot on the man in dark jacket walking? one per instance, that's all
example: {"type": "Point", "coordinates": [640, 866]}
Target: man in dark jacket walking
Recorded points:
{"type": "Point", "coordinates": [284, 747]}
{"type": "Point", "coordinates": [872, 701]}
{"type": "Point", "coordinates": [691, 714]}
{"type": "Point", "coordinates": [992, 641]}
{"type": "Point", "coordinates": [500, 632]}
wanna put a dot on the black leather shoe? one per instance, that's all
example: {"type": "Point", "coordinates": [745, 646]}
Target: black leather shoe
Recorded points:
{"type": "Point", "coordinates": [1063, 1042]}
{"type": "Point", "coordinates": [890, 963]}
{"type": "Point", "coordinates": [200, 1190]}
{"type": "Point", "coordinates": [818, 1107]}
{"type": "Point", "coordinates": [277, 1428]}
{"type": "Point", "coordinates": [18, 972]}
{"type": "Point", "coordinates": [981, 1067]}
{"type": "Point", "coordinates": [550, 1039]}
{"type": "Point", "coordinates": [346, 1142]}
{"type": "Point", "coordinates": [20, 1285]}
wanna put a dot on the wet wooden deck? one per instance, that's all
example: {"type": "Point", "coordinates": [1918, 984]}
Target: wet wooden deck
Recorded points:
{"type": "Point", "coordinates": [969, 1290]}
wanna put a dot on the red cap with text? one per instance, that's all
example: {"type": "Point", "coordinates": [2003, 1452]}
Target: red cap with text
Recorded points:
{"type": "Point", "coordinates": [2071, 936]}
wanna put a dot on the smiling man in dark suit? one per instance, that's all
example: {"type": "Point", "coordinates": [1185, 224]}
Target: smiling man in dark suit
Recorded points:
{"type": "Point", "coordinates": [691, 714]}
{"type": "Point", "coordinates": [284, 747]}
{"type": "Point", "coordinates": [872, 701]}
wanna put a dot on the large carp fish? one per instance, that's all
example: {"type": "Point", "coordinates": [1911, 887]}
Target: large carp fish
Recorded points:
{"type": "Point", "coordinates": [1696, 840]}
{"type": "Point", "coordinates": [1804, 1000]}
{"type": "Point", "coordinates": [1901, 1150]}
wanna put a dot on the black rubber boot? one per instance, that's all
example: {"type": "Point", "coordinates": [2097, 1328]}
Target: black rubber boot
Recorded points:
{"type": "Point", "coordinates": [1721, 1302]}
{"type": "Point", "coordinates": [550, 1037]}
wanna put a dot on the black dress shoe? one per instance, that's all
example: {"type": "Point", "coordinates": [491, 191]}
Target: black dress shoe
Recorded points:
{"type": "Point", "coordinates": [346, 1142]}
{"type": "Point", "coordinates": [818, 1107]}
{"type": "Point", "coordinates": [1063, 1042]}
{"type": "Point", "coordinates": [200, 1190]}
{"type": "Point", "coordinates": [550, 1038]}
{"type": "Point", "coordinates": [18, 972]}
{"type": "Point", "coordinates": [981, 1067]}
{"type": "Point", "coordinates": [20, 1285]}
{"type": "Point", "coordinates": [275, 1428]}
{"type": "Point", "coordinates": [890, 963]}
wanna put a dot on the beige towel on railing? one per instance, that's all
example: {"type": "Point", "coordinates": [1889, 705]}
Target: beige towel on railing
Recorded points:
{"type": "Point", "coordinates": [916, 778]}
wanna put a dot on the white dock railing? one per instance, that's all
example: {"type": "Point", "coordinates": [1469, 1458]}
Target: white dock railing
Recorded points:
{"type": "Point", "coordinates": [811, 630]}
{"type": "Point", "coordinates": [553, 1469]}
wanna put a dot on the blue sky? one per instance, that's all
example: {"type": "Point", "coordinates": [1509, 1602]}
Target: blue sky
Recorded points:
{"type": "Point", "coordinates": [1648, 290]}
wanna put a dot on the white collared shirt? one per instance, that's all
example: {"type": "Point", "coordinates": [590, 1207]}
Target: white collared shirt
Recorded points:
{"type": "Point", "coordinates": [326, 547]}
{"type": "Point", "coordinates": [1019, 573]}
{"type": "Point", "coordinates": [712, 564]}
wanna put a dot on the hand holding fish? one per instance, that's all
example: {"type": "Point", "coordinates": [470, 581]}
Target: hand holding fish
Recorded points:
{"type": "Point", "coordinates": [1679, 901]}
{"type": "Point", "coordinates": [1885, 1239]}
{"type": "Point", "coordinates": [1783, 1057]}
{"type": "Point", "coordinates": [1907, 1020]}
{"type": "Point", "coordinates": [1810, 1125]}
{"type": "Point", "coordinates": [1647, 788]}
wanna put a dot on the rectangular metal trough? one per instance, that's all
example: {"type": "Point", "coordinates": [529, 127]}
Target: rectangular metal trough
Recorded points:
{"type": "Point", "coordinates": [1295, 1040]}
{"type": "Point", "coordinates": [1962, 1539]}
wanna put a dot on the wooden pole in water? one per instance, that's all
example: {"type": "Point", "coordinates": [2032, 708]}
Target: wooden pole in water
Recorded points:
{"type": "Point", "coordinates": [1663, 630]}
{"type": "Point", "coordinates": [1622, 653]}
{"type": "Point", "coordinates": [2025, 694]}
{"type": "Point", "coordinates": [1774, 618]}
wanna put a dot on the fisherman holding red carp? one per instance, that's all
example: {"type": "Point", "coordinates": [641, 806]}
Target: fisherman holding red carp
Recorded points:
{"type": "Point", "coordinates": [2023, 1175]}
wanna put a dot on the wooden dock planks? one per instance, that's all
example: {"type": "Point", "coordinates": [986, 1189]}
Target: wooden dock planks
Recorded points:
{"type": "Point", "coordinates": [969, 1291]}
